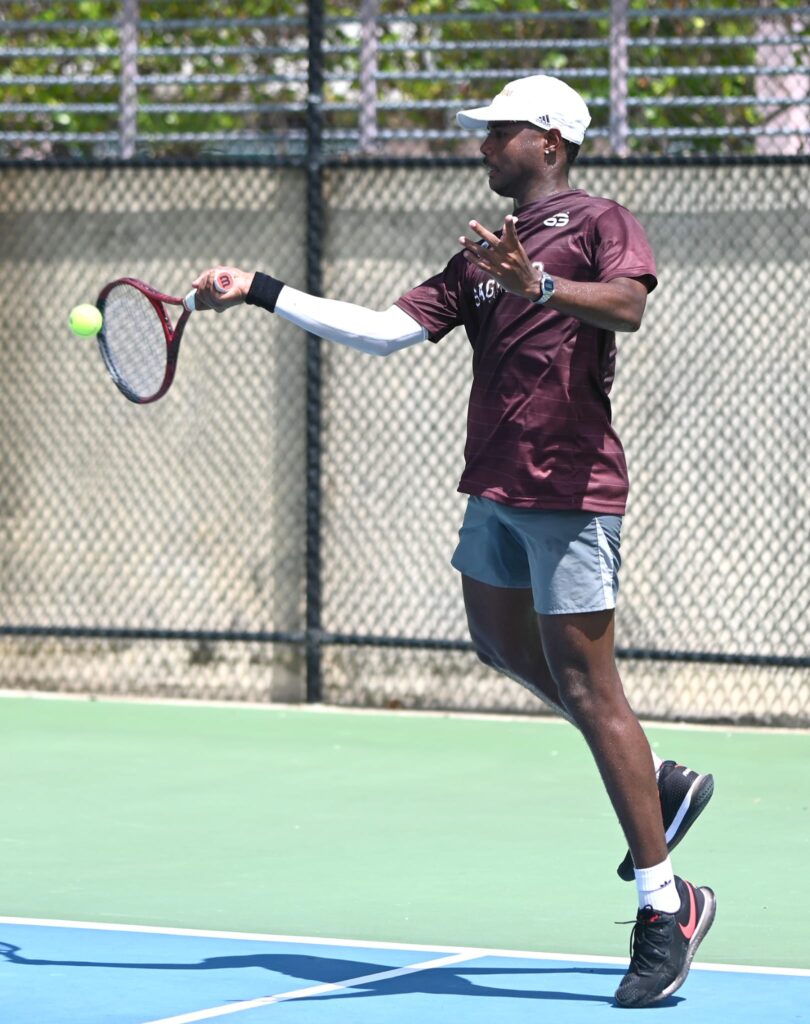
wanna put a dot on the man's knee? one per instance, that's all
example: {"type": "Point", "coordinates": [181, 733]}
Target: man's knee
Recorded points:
{"type": "Point", "coordinates": [590, 691]}
{"type": "Point", "coordinates": [576, 692]}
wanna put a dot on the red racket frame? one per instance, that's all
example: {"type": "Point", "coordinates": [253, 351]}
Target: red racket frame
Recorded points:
{"type": "Point", "coordinates": [173, 335]}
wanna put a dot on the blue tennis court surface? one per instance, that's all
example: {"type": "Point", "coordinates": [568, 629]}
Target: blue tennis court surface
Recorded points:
{"type": "Point", "coordinates": [69, 973]}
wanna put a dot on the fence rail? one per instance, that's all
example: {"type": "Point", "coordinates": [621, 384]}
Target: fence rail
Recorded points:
{"type": "Point", "coordinates": [663, 80]}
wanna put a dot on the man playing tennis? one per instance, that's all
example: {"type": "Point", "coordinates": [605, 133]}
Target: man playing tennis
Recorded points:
{"type": "Point", "coordinates": [545, 472]}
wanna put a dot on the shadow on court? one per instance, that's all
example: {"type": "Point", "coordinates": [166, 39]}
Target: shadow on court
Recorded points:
{"type": "Point", "coordinates": [452, 981]}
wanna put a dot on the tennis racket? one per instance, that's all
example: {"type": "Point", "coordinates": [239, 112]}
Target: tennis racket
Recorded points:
{"type": "Point", "coordinates": [138, 343]}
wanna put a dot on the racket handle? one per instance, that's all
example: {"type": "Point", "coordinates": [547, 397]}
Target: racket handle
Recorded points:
{"type": "Point", "coordinates": [222, 282]}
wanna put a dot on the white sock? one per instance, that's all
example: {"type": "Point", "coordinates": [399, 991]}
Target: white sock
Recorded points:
{"type": "Point", "coordinates": [657, 889]}
{"type": "Point", "coordinates": [657, 762]}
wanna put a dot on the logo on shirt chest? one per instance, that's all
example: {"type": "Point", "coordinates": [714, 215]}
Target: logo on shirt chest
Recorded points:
{"type": "Point", "coordinates": [557, 220]}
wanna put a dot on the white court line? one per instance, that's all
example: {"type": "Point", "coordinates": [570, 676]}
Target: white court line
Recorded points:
{"type": "Point", "coordinates": [305, 993]}
{"type": "Point", "coordinates": [466, 952]}
{"type": "Point", "coordinates": [540, 717]}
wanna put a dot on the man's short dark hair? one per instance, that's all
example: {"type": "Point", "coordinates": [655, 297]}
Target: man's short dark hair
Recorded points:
{"type": "Point", "coordinates": [571, 152]}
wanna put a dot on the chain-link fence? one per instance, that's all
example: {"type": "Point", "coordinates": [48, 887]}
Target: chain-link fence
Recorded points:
{"type": "Point", "coordinates": [277, 515]}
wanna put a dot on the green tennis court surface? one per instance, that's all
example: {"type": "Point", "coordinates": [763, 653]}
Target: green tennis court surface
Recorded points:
{"type": "Point", "coordinates": [381, 827]}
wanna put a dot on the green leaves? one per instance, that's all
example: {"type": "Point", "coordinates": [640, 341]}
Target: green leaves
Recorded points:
{"type": "Point", "coordinates": [240, 68]}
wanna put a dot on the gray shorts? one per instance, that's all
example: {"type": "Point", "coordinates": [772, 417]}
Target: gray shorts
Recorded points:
{"type": "Point", "coordinates": [569, 559]}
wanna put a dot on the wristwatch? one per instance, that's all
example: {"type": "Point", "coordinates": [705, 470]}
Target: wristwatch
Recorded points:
{"type": "Point", "coordinates": [546, 289]}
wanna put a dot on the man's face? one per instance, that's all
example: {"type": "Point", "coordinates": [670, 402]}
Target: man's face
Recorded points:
{"type": "Point", "coordinates": [513, 154]}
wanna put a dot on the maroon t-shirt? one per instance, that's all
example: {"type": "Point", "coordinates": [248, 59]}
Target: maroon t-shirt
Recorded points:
{"type": "Point", "coordinates": [539, 431]}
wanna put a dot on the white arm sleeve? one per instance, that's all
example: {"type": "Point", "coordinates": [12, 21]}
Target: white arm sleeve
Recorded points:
{"type": "Point", "coordinates": [377, 332]}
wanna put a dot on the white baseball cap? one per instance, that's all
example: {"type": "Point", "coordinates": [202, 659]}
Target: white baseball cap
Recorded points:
{"type": "Point", "coordinates": [539, 99]}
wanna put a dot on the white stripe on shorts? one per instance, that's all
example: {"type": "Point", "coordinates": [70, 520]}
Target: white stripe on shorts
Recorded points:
{"type": "Point", "coordinates": [605, 565]}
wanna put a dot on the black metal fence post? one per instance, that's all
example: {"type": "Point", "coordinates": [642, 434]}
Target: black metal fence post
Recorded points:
{"type": "Point", "coordinates": [313, 385]}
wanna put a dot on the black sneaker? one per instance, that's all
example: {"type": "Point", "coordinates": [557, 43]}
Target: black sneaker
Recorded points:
{"type": "Point", "coordinates": [662, 947]}
{"type": "Point", "coordinates": [684, 794]}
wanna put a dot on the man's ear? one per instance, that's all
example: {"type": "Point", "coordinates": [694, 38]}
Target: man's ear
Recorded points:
{"type": "Point", "coordinates": [553, 143]}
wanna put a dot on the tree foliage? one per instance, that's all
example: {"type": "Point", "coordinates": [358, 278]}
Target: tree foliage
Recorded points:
{"type": "Point", "coordinates": [233, 76]}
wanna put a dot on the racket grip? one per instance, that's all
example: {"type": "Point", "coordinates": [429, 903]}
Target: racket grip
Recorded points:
{"type": "Point", "coordinates": [222, 282]}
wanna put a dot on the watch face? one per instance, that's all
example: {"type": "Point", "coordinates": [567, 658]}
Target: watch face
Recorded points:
{"type": "Point", "coordinates": [546, 289]}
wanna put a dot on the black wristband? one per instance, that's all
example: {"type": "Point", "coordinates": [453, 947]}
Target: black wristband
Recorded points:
{"type": "Point", "coordinates": [263, 291]}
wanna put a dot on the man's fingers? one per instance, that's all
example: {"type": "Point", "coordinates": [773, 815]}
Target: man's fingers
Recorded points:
{"type": "Point", "coordinates": [484, 233]}
{"type": "Point", "coordinates": [489, 240]}
{"type": "Point", "coordinates": [470, 257]}
{"type": "Point", "coordinates": [202, 281]}
{"type": "Point", "coordinates": [475, 252]}
{"type": "Point", "coordinates": [473, 244]}
{"type": "Point", "coordinates": [509, 228]}
{"type": "Point", "coordinates": [209, 288]}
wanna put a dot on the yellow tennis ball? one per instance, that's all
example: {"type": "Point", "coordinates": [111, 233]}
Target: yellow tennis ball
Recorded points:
{"type": "Point", "coordinates": [85, 320]}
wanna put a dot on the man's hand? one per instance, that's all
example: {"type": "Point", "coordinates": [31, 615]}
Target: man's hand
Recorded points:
{"type": "Point", "coordinates": [209, 295]}
{"type": "Point", "coordinates": [504, 259]}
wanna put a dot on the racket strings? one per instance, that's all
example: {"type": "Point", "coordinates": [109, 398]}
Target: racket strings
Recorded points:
{"type": "Point", "coordinates": [134, 343]}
